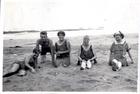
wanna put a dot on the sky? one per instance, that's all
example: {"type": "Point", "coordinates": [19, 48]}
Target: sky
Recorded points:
{"type": "Point", "coordinates": [113, 15]}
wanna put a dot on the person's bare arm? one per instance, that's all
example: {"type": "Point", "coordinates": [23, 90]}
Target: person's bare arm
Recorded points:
{"type": "Point", "coordinates": [67, 51]}
{"type": "Point", "coordinates": [52, 46]}
{"type": "Point", "coordinates": [27, 58]}
{"type": "Point", "coordinates": [94, 54]}
{"type": "Point", "coordinates": [128, 48]}
{"type": "Point", "coordinates": [69, 46]}
{"type": "Point", "coordinates": [79, 52]}
{"type": "Point", "coordinates": [111, 53]}
{"type": "Point", "coordinates": [129, 53]}
{"type": "Point", "coordinates": [37, 45]}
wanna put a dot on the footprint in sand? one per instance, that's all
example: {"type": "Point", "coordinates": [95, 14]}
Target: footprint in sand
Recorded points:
{"type": "Point", "coordinates": [129, 88]}
{"type": "Point", "coordinates": [53, 73]}
{"type": "Point", "coordinates": [7, 81]}
{"type": "Point", "coordinates": [116, 77]}
{"type": "Point", "coordinates": [66, 87]}
{"type": "Point", "coordinates": [131, 81]}
{"type": "Point", "coordinates": [57, 89]}
{"type": "Point", "coordinates": [79, 89]}
{"type": "Point", "coordinates": [88, 81]}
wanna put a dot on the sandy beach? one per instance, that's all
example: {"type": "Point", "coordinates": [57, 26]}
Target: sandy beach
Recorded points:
{"type": "Point", "coordinates": [99, 78]}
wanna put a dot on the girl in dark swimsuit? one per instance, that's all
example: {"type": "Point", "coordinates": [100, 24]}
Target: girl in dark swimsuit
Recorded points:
{"type": "Point", "coordinates": [86, 54]}
{"type": "Point", "coordinates": [62, 49]}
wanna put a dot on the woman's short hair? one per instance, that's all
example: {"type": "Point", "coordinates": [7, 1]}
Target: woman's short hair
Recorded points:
{"type": "Point", "coordinates": [61, 32]}
{"type": "Point", "coordinates": [119, 33]}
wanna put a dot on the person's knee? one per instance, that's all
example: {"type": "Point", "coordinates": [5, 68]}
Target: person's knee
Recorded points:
{"type": "Point", "coordinates": [14, 68]}
{"type": "Point", "coordinates": [89, 64]}
{"type": "Point", "coordinates": [66, 63]}
{"type": "Point", "coordinates": [43, 58]}
{"type": "Point", "coordinates": [83, 64]}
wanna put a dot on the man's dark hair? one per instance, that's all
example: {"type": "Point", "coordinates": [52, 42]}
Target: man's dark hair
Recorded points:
{"type": "Point", "coordinates": [43, 32]}
{"type": "Point", "coordinates": [61, 32]}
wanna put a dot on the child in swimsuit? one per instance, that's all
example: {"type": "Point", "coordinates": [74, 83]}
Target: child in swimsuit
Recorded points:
{"type": "Point", "coordinates": [62, 49]}
{"type": "Point", "coordinates": [86, 54]}
{"type": "Point", "coordinates": [29, 63]}
{"type": "Point", "coordinates": [118, 51]}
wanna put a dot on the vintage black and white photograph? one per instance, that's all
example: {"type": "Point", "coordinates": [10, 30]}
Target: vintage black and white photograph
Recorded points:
{"type": "Point", "coordinates": [70, 45]}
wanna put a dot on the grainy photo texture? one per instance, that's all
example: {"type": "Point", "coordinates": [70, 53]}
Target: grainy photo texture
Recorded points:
{"type": "Point", "coordinates": [70, 45]}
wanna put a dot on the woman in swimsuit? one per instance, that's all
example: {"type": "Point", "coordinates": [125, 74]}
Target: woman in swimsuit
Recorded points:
{"type": "Point", "coordinates": [62, 50]}
{"type": "Point", "coordinates": [118, 51]}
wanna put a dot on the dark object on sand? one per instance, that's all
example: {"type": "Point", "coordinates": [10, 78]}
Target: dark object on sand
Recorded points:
{"type": "Point", "coordinates": [78, 63]}
{"type": "Point", "coordinates": [16, 47]}
{"type": "Point", "coordinates": [7, 81]}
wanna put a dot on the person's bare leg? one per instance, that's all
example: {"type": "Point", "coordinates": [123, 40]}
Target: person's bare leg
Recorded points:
{"type": "Point", "coordinates": [53, 57]}
{"type": "Point", "coordinates": [43, 58]}
{"type": "Point", "coordinates": [66, 61]}
{"type": "Point", "coordinates": [53, 60]}
{"type": "Point", "coordinates": [12, 71]}
{"type": "Point", "coordinates": [89, 64]}
{"type": "Point", "coordinates": [83, 65]}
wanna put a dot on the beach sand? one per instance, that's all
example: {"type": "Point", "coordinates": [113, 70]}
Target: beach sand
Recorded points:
{"type": "Point", "coordinates": [99, 78]}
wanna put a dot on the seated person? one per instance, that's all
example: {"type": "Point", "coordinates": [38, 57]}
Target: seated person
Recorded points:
{"type": "Point", "coordinates": [62, 49]}
{"type": "Point", "coordinates": [86, 54]}
{"type": "Point", "coordinates": [118, 51]}
{"type": "Point", "coordinates": [29, 63]}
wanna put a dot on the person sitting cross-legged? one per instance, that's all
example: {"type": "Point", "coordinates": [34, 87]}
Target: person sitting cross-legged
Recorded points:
{"type": "Point", "coordinates": [86, 55]}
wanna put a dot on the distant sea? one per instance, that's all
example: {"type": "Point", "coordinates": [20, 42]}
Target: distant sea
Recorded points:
{"type": "Point", "coordinates": [69, 33]}
{"type": "Point", "coordinates": [36, 35]}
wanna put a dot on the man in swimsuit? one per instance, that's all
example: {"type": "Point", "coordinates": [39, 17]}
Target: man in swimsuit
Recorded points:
{"type": "Point", "coordinates": [29, 63]}
{"type": "Point", "coordinates": [46, 47]}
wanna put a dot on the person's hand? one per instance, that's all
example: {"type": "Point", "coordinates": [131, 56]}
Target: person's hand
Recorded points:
{"type": "Point", "coordinates": [124, 56]}
{"type": "Point", "coordinates": [57, 54]}
{"type": "Point", "coordinates": [33, 70]}
{"type": "Point", "coordinates": [83, 60]}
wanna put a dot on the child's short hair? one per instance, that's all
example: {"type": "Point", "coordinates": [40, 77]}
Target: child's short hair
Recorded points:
{"type": "Point", "coordinates": [119, 33]}
{"type": "Point", "coordinates": [86, 37]}
{"type": "Point", "coordinates": [61, 32]}
{"type": "Point", "coordinates": [43, 32]}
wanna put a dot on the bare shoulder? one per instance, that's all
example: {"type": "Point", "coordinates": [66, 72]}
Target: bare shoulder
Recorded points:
{"type": "Point", "coordinates": [49, 39]}
{"type": "Point", "coordinates": [28, 56]}
{"type": "Point", "coordinates": [38, 41]}
{"type": "Point", "coordinates": [67, 41]}
{"type": "Point", "coordinates": [57, 42]}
